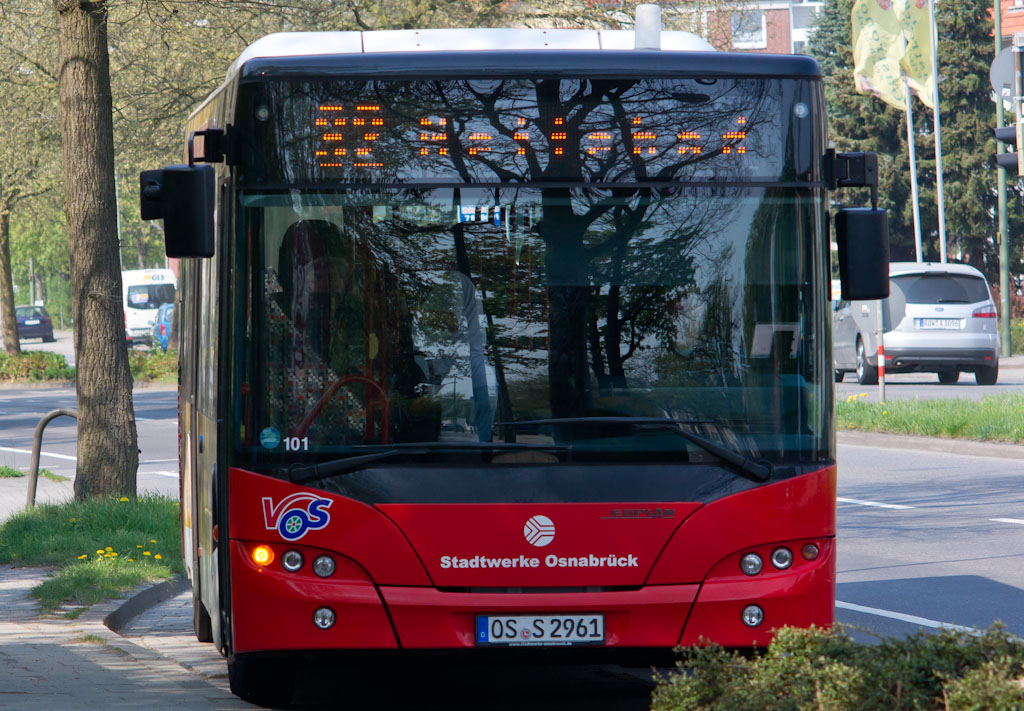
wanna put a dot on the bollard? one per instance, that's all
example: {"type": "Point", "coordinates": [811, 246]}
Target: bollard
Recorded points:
{"type": "Point", "coordinates": [37, 442]}
{"type": "Point", "coordinates": [881, 372]}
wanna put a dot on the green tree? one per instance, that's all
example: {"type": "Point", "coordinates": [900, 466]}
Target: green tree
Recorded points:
{"type": "Point", "coordinates": [859, 122]}
{"type": "Point", "coordinates": [27, 137]}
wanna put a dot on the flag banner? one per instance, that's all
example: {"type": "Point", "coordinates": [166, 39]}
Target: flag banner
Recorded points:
{"type": "Point", "coordinates": [917, 60]}
{"type": "Point", "coordinates": [877, 50]}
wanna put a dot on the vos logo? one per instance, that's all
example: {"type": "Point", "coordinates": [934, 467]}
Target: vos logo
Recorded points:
{"type": "Point", "coordinates": [296, 515]}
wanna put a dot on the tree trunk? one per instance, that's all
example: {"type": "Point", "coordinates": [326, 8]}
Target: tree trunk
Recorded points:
{"type": "Point", "coordinates": [8, 321]}
{"type": "Point", "coordinates": [40, 286]}
{"type": "Point", "coordinates": [108, 455]}
{"type": "Point", "coordinates": [568, 301]}
{"type": "Point", "coordinates": [140, 251]}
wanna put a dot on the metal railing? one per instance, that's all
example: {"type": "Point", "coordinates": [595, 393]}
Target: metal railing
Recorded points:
{"type": "Point", "coordinates": [33, 474]}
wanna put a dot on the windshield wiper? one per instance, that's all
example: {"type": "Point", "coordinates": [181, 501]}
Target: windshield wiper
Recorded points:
{"type": "Point", "coordinates": [755, 471]}
{"type": "Point", "coordinates": [606, 421]}
{"type": "Point", "coordinates": [305, 473]}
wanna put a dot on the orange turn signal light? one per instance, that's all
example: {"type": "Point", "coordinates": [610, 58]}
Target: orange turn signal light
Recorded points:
{"type": "Point", "coordinates": [262, 555]}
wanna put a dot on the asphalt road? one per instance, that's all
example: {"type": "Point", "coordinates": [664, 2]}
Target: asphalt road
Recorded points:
{"type": "Point", "coordinates": [156, 415]}
{"type": "Point", "coordinates": [62, 343]}
{"type": "Point", "coordinates": [927, 538]}
{"type": "Point", "coordinates": [925, 386]}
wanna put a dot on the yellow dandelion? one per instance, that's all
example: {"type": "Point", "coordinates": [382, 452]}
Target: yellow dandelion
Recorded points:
{"type": "Point", "coordinates": [138, 546]}
{"type": "Point", "coordinates": [145, 552]}
{"type": "Point", "coordinates": [84, 555]}
{"type": "Point", "coordinates": [74, 520]}
{"type": "Point", "coordinates": [123, 499]}
{"type": "Point", "coordinates": [158, 556]}
{"type": "Point", "coordinates": [114, 554]}
{"type": "Point", "coordinates": [99, 552]}
{"type": "Point", "coordinates": [131, 560]}
{"type": "Point", "coordinates": [108, 549]}
{"type": "Point", "coordinates": [863, 394]}
{"type": "Point", "coordinates": [885, 412]}
{"type": "Point", "coordinates": [152, 540]}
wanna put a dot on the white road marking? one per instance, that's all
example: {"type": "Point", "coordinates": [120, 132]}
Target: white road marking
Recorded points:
{"type": "Point", "coordinates": [41, 454]}
{"type": "Point", "coordinates": [912, 619]}
{"type": "Point", "coordinates": [872, 503]}
{"type": "Point", "coordinates": [1008, 520]}
{"type": "Point", "coordinates": [158, 461]}
{"type": "Point", "coordinates": [170, 474]}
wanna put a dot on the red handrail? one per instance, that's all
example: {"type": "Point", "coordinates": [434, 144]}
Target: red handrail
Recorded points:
{"type": "Point", "coordinates": [332, 391]}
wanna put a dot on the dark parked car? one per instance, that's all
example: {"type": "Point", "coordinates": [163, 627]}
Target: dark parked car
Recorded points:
{"type": "Point", "coordinates": [34, 322]}
{"type": "Point", "coordinates": [162, 325]}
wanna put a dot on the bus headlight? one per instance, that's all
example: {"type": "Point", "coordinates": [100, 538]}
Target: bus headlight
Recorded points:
{"type": "Point", "coordinates": [751, 564]}
{"type": "Point", "coordinates": [324, 618]}
{"type": "Point", "coordinates": [752, 615]}
{"type": "Point", "coordinates": [782, 558]}
{"type": "Point", "coordinates": [809, 552]}
{"type": "Point", "coordinates": [291, 561]}
{"type": "Point", "coordinates": [324, 566]}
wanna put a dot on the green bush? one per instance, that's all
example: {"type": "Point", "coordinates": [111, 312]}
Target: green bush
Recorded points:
{"type": "Point", "coordinates": [35, 366]}
{"type": "Point", "coordinates": [154, 365]}
{"type": "Point", "coordinates": [826, 669]}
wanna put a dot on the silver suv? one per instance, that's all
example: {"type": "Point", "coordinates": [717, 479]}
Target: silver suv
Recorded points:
{"type": "Point", "coordinates": [939, 318]}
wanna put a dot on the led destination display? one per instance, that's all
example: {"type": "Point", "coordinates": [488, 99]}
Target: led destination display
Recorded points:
{"type": "Point", "coordinates": [512, 130]}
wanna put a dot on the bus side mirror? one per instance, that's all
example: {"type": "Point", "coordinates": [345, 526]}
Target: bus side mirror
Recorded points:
{"type": "Point", "coordinates": [182, 196]}
{"type": "Point", "coordinates": [862, 235]}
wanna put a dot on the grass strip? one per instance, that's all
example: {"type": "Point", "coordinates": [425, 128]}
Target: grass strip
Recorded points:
{"type": "Point", "coordinates": [100, 548]}
{"type": "Point", "coordinates": [995, 418]}
{"type": "Point", "coordinates": [11, 473]}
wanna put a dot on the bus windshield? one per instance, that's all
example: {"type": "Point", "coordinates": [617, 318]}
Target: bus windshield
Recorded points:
{"type": "Point", "coordinates": [553, 316]}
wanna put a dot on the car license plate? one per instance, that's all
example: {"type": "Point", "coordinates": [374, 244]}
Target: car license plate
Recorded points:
{"type": "Point", "coordinates": [539, 630]}
{"type": "Point", "coordinates": [31, 322]}
{"type": "Point", "coordinates": [939, 323]}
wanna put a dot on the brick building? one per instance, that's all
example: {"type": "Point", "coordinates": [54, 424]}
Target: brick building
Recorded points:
{"type": "Point", "coordinates": [770, 26]}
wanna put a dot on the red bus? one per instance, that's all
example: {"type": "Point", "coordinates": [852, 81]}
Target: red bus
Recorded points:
{"type": "Point", "coordinates": [507, 342]}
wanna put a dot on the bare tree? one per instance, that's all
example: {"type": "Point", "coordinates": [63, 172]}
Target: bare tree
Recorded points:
{"type": "Point", "coordinates": [108, 455]}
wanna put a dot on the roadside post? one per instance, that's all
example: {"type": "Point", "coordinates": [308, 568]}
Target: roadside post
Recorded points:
{"type": "Point", "coordinates": [880, 331]}
{"type": "Point", "coordinates": [37, 443]}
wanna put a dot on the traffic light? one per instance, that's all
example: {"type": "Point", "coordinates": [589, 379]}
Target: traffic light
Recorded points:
{"type": "Point", "coordinates": [1010, 160]}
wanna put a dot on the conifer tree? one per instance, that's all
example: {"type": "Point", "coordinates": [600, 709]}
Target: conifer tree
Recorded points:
{"type": "Point", "coordinates": [861, 122]}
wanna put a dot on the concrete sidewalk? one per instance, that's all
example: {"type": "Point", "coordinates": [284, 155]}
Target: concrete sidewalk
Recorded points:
{"type": "Point", "coordinates": [80, 665]}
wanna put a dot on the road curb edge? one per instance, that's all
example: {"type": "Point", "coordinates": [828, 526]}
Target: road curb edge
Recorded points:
{"type": "Point", "coordinates": [144, 600]}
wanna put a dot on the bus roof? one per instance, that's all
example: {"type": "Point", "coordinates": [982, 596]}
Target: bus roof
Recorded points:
{"type": "Point", "coordinates": [297, 49]}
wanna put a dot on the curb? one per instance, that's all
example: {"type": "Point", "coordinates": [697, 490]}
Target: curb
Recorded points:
{"type": "Point", "coordinates": [966, 447]}
{"type": "Point", "coordinates": [144, 600]}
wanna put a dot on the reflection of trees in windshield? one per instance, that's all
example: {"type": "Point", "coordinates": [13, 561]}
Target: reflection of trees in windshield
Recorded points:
{"type": "Point", "coordinates": [474, 307]}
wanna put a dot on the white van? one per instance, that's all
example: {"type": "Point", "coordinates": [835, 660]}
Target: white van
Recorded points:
{"type": "Point", "coordinates": [145, 291]}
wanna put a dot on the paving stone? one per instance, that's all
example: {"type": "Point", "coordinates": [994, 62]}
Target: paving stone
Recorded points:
{"type": "Point", "coordinates": [80, 665]}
